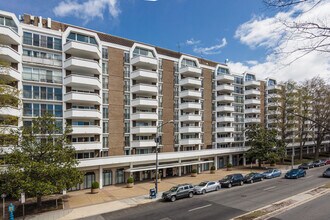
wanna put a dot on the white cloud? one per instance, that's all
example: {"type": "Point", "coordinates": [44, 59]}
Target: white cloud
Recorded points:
{"type": "Point", "coordinates": [282, 44]}
{"type": "Point", "coordinates": [192, 41]}
{"type": "Point", "coordinates": [88, 9]}
{"type": "Point", "coordinates": [215, 49]}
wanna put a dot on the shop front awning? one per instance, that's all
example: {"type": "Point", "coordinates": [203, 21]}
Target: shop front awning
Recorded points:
{"type": "Point", "coordinates": [164, 166]}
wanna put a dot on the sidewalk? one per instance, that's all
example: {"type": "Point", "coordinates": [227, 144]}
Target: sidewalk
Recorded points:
{"type": "Point", "coordinates": [111, 198]}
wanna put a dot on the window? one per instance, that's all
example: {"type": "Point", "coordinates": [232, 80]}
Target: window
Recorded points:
{"type": "Point", "coordinates": [105, 142]}
{"type": "Point", "coordinates": [27, 92]}
{"type": "Point", "coordinates": [105, 53]}
{"type": "Point", "coordinates": [57, 44]}
{"type": "Point", "coordinates": [58, 94]}
{"type": "Point", "coordinates": [105, 68]}
{"type": "Point", "coordinates": [105, 127]}
{"type": "Point", "coordinates": [43, 108]}
{"type": "Point", "coordinates": [27, 38]}
{"type": "Point", "coordinates": [58, 111]}
{"type": "Point", "coordinates": [50, 94]}
{"type": "Point", "coordinates": [50, 109]}
{"type": "Point", "coordinates": [126, 57]}
{"type": "Point", "coordinates": [50, 42]}
{"type": "Point", "coordinates": [36, 40]}
{"type": "Point", "coordinates": [43, 92]}
{"type": "Point", "coordinates": [43, 41]}
{"type": "Point", "coordinates": [27, 109]}
{"type": "Point", "coordinates": [42, 75]}
{"type": "Point", "coordinates": [222, 71]}
{"type": "Point", "coordinates": [105, 113]}
{"type": "Point", "coordinates": [82, 38]}
{"type": "Point", "coordinates": [105, 82]}
{"type": "Point", "coordinates": [105, 98]}
{"type": "Point", "coordinates": [35, 92]}
{"type": "Point", "coordinates": [190, 63]}
{"type": "Point", "coordinates": [142, 52]}
{"type": "Point", "coordinates": [36, 112]}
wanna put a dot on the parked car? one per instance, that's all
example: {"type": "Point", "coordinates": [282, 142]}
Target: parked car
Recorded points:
{"type": "Point", "coordinates": [232, 180]}
{"type": "Point", "coordinates": [206, 186]}
{"type": "Point", "coordinates": [327, 161]}
{"type": "Point", "coordinates": [272, 173]}
{"type": "Point", "coordinates": [178, 192]}
{"type": "Point", "coordinates": [253, 177]}
{"type": "Point", "coordinates": [318, 163]}
{"type": "Point", "coordinates": [323, 162]}
{"type": "Point", "coordinates": [306, 166]}
{"type": "Point", "coordinates": [326, 173]}
{"type": "Point", "coordinates": [295, 174]}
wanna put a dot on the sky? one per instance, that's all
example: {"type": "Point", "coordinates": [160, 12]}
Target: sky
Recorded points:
{"type": "Point", "coordinates": [246, 33]}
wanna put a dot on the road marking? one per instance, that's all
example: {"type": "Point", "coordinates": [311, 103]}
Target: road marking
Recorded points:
{"type": "Point", "coordinates": [205, 206]}
{"type": "Point", "coordinates": [309, 177]}
{"type": "Point", "coordinates": [270, 188]}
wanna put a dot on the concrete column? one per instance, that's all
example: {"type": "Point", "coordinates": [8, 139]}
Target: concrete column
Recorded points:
{"type": "Point", "coordinates": [141, 175]}
{"type": "Point", "coordinates": [180, 168]}
{"type": "Point", "coordinates": [215, 162]}
{"type": "Point", "coordinates": [113, 176]}
{"type": "Point", "coordinates": [244, 161]}
{"type": "Point", "coordinates": [199, 170]}
{"type": "Point", "coordinates": [164, 172]}
{"type": "Point", "coordinates": [237, 160]}
{"type": "Point", "coordinates": [307, 150]}
{"type": "Point", "coordinates": [101, 177]}
{"type": "Point", "coordinates": [230, 159]}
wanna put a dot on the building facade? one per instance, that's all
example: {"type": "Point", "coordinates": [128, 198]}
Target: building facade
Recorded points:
{"type": "Point", "coordinates": [116, 94]}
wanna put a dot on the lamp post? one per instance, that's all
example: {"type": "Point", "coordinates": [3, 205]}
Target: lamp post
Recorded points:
{"type": "Point", "coordinates": [292, 156]}
{"type": "Point", "coordinates": [157, 140]}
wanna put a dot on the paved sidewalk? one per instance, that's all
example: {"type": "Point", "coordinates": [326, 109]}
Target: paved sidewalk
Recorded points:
{"type": "Point", "coordinates": [83, 204]}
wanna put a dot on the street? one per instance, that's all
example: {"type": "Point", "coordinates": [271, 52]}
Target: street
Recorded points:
{"type": "Point", "coordinates": [318, 209]}
{"type": "Point", "coordinates": [224, 204]}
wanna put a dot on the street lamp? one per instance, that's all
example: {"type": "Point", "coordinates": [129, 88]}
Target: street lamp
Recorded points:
{"type": "Point", "coordinates": [157, 140]}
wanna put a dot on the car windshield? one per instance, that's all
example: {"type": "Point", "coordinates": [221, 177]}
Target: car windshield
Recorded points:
{"type": "Point", "coordinates": [227, 177]}
{"type": "Point", "coordinates": [250, 175]}
{"type": "Point", "coordinates": [202, 184]}
{"type": "Point", "coordinates": [174, 189]}
{"type": "Point", "coordinates": [328, 170]}
{"type": "Point", "coordinates": [269, 171]}
{"type": "Point", "coordinates": [294, 171]}
{"type": "Point", "coordinates": [304, 164]}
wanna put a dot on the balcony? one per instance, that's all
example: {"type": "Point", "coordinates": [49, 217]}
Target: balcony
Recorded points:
{"type": "Point", "coordinates": [10, 111]}
{"type": "Point", "coordinates": [144, 102]}
{"type": "Point", "coordinates": [81, 97]}
{"type": "Point", "coordinates": [190, 71]}
{"type": "Point", "coordinates": [225, 108]}
{"type": "Point", "coordinates": [190, 117]}
{"type": "Point", "coordinates": [88, 82]}
{"type": "Point", "coordinates": [80, 146]}
{"type": "Point", "coordinates": [274, 87]}
{"type": "Point", "coordinates": [225, 78]}
{"type": "Point", "coordinates": [10, 73]}
{"type": "Point", "coordinates": [252, 83]}
{"type": "Point", "coordinates": [225, 88]}
{"type": "Point", "coordinates": [191, 105]}
{"type": "Point", "coordinates": [190, 129]}
{"type": "Point", "coordinates": [190, 141]}
{"type": "Point", "coordinates": [225, 140]}
{"type": "Point", "coordinates": [225, 129]}
{"type": "Point", "coordinates": [144, 75]}
{"type": "Point", "coordinates": [252, 101]}
{"type": "Point", "coordinates": [191, 94]}
{"type": "Point", "coordinates": [252, 111]}
{"type": "Point", "coordinates": [143, 143]}
{"type": "Point", "coordinates": [82, 114]}
{"type": "Point", "coordinates": [272, 104]}
{"type": "Point", "coordinates": [80, 65]}
{"type": "Point", "coordinates": [9, 36]}
{"type": "Point", "coordinates": [88, 129]}
{"type": "Point", "coordinates": [8, 129]}
{"type": "Point", "coordinates": [144, 62]}
{"type": "Point", "coordinates": [144, 130]}
{"type": "Point", "coordinates": [81, 49]}
{"type": "Point", "coordinates": [48, 62]}
{"type": "Point", "coordinates": [143, 116]}
{"type": "Point", "coordinates": [225, 119]}
{"type": "Point", "coordinates": [252, 92]}
{"type": "Point", "coordinates": [190, 82]}
{"type": "Point", "coordinates": [273, 112]}
{"type": "Point", "coordinates": [144, 89]}
{"type": "Point", "coordinates": [252, 120]}
{"type": "Point", "coordinates": [9, 54]}
{"type": "Point", "coordinates": [225, 98]}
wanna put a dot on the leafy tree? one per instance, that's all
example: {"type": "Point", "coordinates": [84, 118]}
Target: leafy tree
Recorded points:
{"type": "Point", "coordinates": [264, 144]}
{"type": "Point", "coordinates": [43, 162]}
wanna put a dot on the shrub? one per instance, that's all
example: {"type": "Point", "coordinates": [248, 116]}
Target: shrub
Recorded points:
{"type": "Point", "coordinates": [194, 171]}
{"type": "Point", "coordinates": [130, 180]}
{"type": "Point", "coordinates": [229, 165]}
{"type": "Point", "coordinates": [95, 185]}
{"type": "Point", "coordinates": [212, 167]}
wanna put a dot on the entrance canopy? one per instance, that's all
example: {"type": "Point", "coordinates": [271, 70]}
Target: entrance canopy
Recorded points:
{"type": "Point", "coordinates": [163, 166]}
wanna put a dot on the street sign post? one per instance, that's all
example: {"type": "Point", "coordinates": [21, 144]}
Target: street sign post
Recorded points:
{"type": "Point", "coordinates": [3, 196]}
{"type": "Point", "coordinates": [23, 201]}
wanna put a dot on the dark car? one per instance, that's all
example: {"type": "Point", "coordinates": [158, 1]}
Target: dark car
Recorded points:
{"type": "Point", "coordinates": [232, 180]}
{"type": "Point", "coordinates": [326, 173]}
{"type": "Point", "coordinates": [178, 192]}
{"type": "Point", "coordinates": [272, 173]}
{"type": "Point", "coordinates": [306, 166]}
{"type": "Point", "coordinates": [295, 174]}
{"type": "Point", "coordinates": [323, 162]}
{"type": "Point", "coordinates": [253, 177]}
{"type": "Point", "coordinates": [318, 163]}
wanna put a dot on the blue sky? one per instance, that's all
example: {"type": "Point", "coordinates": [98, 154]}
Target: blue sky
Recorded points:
{"type": "Point", "coordinates": [238, 30]}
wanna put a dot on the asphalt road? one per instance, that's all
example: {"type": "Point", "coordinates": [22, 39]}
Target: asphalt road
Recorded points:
{"type": "Point", "coordinates": [224, 204]}
{"type": "Point", "coordinates": [317, 209]}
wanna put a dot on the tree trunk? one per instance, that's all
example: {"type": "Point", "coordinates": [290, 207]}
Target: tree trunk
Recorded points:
{"type": "Point", "coordinates": [39, 202]}
{"type": "Point", "coordinates": [259, 163]}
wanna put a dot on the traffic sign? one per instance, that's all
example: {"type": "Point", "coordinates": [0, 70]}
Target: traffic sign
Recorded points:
{"type": "Point", "coordinates": [3, 195]}
{"type": "Point", "coordinates": [22, 198]}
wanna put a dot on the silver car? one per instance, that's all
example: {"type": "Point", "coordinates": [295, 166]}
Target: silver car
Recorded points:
{"type": "Point", "coordinates": [206, 186]}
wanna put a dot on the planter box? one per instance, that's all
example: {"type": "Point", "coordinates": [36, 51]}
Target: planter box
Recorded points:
{"type": "Point", "coordinates": [229, 169]}
{"type": "Point", "coordinates": [212, 171]}
{"type": "Point", "coordinates": [130, 185]}
{"type": "Point", "coordinates": [193, 174]}
{"type": "Point", "coordinates": [94, 191]}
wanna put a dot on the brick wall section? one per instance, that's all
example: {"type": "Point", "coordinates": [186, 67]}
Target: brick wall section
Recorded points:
{"type": "Point", "coordinates": [168, 105]}
{"type": "Point", "coordinates": [207, 85]}
{"type": "Point", "coordinates": [116, 102]}
{"type": "Point", "coordinates": [262, 103]}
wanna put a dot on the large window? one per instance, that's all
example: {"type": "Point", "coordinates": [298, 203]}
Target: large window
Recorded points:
{"type": "Point", "coordinates": [27, 92]}
{"type": "Point", "coordinates": [42, 41]}
{"type": "Point", "coordinates": [105, 53]}
{"type": "Point", "coordinates": [250, 77]}
{"type": "Point", "coordinates": [222, 71]}
{"type": "Point", "coordinates": [37, 109]}
{"type": "Point", "coordinates": [105, 113]}
{"type": "Point", "coordinates": [81, 38]}
{"type": "Point", "coordinates": [8, 22]}
{"type": "Point", "coordinates": [143, 52]}
{"type": "Point", "coordinates": [41, 54]}
{"type": "Point", "coordinates": [190, 63]}
{"type": "Point", "coordinates": [41, 92]}
{"type": "Point", "coordinates": [42, 75]}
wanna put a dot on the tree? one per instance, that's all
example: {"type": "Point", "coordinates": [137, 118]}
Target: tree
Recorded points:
{"type": "Point", "coordinates": [264, 144]}
{"type": "Point", "coordinates": [43, 163]}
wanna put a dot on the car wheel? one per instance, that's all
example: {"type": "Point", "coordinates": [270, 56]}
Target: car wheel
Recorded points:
{"type": "Point", "coordinates": [229, 185]}
{"type": "Point", "coordinates": [297, 177]}
{"type": "Point", "coordinates": [304, 175]}
{"type": "Point", "coordinates": [241, 183]}
{"type": "Point", "coordinates": [191, 194]}
{"type": "Point", "coordinates": [173, 198]}
{"type": "Point", "coordinates": [203, 192]}
{"type": "Point", "coordinates": [250, 181]}
{"type": "Point", "coordinates": [218, 187]}
{"type": "Point", "coordinates": [261, 179]}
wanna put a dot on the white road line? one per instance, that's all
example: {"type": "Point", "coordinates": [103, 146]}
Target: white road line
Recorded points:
{"type": "Point", "coordinates": [270, 188]}
{"type": "Point", "coordinates": [309, 177]}
{"type": "Point", "coordinates": [205, 206]}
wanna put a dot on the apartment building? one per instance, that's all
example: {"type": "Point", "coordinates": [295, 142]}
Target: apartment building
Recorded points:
{"type": "Point", "coordinates": [119, 95]}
